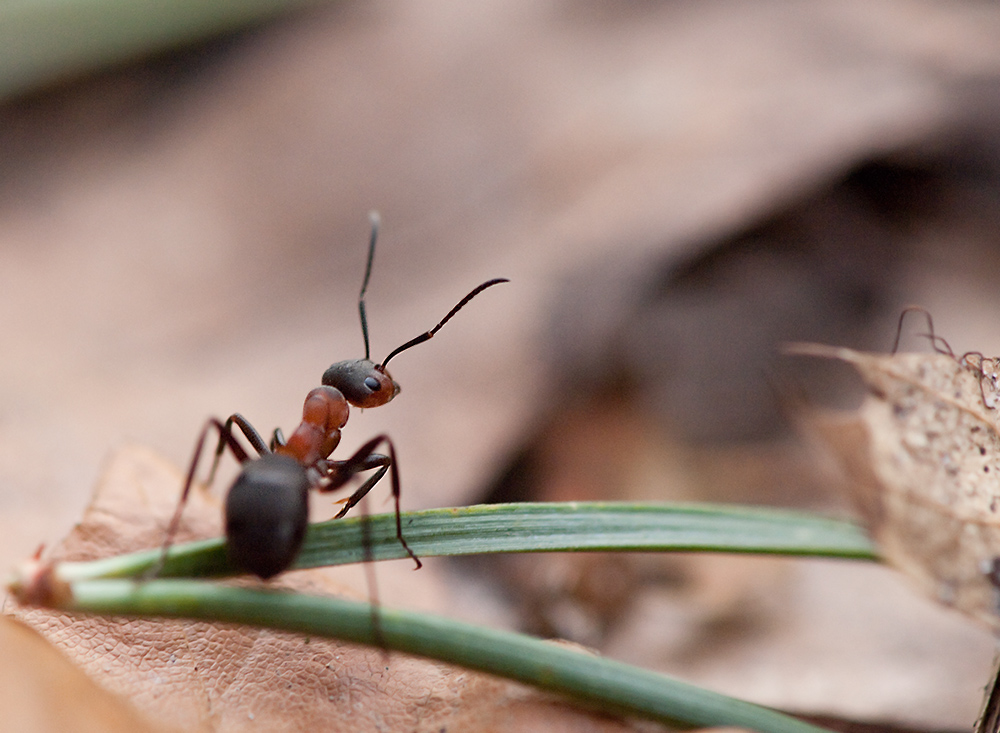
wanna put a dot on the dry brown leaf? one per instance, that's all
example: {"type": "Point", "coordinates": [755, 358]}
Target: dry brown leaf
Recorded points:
{"type": "Point", "coordinates": [42, 692]}
{"type": "Point", "coordinates": [213, 677]}
{"type": "Point", "coordinates": [923, 451]}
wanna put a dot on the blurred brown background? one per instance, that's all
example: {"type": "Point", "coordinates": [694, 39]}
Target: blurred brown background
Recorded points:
{"type": "Point", "coordinates": [674, 190]}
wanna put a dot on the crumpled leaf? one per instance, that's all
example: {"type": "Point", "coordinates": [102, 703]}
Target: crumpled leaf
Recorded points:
{"type": "Point", "coordinates": [42, 692]}
{"type": "Point", "coordinates": [923, 451]}
{"type": "Point", "coordinates": [214, 677]}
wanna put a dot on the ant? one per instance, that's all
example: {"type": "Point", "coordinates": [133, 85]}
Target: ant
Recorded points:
{"type": "Point", "coordinates": [266, 508]}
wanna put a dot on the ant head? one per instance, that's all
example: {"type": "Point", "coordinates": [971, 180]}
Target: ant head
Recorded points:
{"type": "Point", "coordinates": [363, 382]}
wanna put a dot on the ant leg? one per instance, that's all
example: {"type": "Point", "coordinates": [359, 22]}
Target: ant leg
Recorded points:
{"type": "Point", "coordinates": [225, 439]}
{"type": "Point", "coordinates": [357, 496]}
{"type": "Point", "coordinates": [368, 559]}
{"type": "Point", "coordinates": [340, 472]}
{"type": "Point", "coordinates": [225, 436]}
{"type": "Point", "coordinates": [277, 440]}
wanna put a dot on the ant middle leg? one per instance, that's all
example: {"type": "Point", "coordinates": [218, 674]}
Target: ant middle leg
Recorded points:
{"type": "Point", "coordinates": [226, 438]}
{"type": "Point", "coordinates": [365, 458]}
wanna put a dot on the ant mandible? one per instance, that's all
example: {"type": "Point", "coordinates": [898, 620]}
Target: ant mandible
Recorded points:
{"type": "Point", "coordinates": [266, 508]}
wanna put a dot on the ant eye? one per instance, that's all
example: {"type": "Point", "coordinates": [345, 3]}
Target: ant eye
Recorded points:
{"type": "Point", "coordinates": [372, 384]}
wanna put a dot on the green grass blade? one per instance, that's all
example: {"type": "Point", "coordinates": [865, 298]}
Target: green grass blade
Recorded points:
{"type": "Point", "coordinates": [595, 681]}
{"type": "Point", "coordinates": [552, 527]}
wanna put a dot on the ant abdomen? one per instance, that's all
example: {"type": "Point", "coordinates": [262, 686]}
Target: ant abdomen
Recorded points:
{"type": "Point", "coordinates": [267, 510]}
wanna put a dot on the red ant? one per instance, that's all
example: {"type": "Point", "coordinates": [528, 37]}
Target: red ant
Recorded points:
{"type": "Point", "coordinates": [266, 509]}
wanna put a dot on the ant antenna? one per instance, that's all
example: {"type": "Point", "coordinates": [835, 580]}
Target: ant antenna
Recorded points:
{"type": "Point", "coordinates": [376, 221]}
{"type": "Point", "coordinates": [429, 334]}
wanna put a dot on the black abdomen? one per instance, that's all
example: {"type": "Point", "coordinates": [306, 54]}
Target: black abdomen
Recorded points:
{"type": "Point", "coordinates": [267, 511]}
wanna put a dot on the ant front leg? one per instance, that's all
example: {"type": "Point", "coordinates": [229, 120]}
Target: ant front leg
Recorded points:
{"type": "Point", "coordinates": [365, 458]}
{"type": "Point", "coordinates": [277, 440]}
{"type": "Point", "coordinates": [374, 460]}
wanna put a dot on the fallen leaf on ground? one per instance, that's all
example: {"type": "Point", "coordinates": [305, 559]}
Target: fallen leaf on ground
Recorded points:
{"type": "Point", "coordinates": [923, 453]}
{"type": "Point", "coordinates": [42, 692]}
{"type": "Point", "coordinates": [216, 677]}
